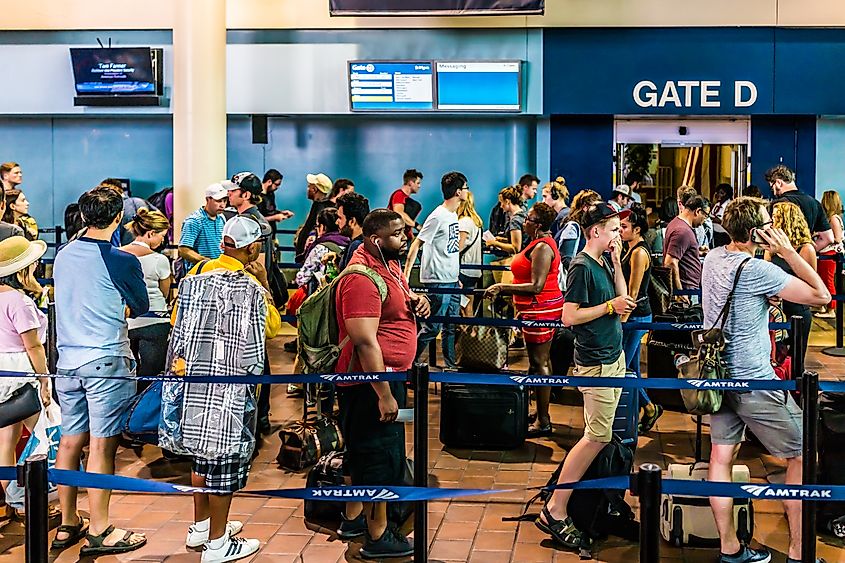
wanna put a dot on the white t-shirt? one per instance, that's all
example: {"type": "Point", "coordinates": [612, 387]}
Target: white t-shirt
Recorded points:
{"type": "Point", "coordinates": [472, 250]}
{"type": "Point", "coordinates": [440, 260]}
{"type": "Point", "coordinates": [156, 267]}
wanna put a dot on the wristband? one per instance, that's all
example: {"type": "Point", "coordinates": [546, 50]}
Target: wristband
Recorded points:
{"type": "Point", "coordinates": [610, 310]}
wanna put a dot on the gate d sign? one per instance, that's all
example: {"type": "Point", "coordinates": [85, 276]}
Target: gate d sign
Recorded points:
{"type": "Point", "coordinates": [680, 94]}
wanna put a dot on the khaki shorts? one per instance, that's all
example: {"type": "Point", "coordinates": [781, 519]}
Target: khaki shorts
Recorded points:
{"type": "Point", "coordinates": [600, 402]}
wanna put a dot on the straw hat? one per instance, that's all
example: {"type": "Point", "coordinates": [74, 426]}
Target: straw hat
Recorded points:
{"type": "Point", "coordinates": [16, 253]}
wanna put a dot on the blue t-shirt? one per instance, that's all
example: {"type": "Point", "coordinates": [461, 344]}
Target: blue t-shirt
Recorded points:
{"type": "Point", "coordinates": [94, 283]}
{"type": "Point", "coordinates": [749, 348]}
{"type": "Point", "coordinates": [203, 234]}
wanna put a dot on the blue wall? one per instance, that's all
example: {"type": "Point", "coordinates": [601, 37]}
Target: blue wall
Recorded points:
{"type": "Point", "coordinates": [789, 140]}
{"type": "Point", "coordinates": [375, 151]}
{"type": "Point", "coordinates": [830, 146]}
{"type": "Point", "coordinates": [62, 157]}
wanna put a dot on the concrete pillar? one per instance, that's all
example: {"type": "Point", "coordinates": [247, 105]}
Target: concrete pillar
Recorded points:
{"type": "Point", "coordinates": [199, 102]}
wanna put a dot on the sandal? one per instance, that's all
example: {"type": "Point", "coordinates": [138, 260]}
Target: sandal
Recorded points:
{"type": "Point", "coordinates": [537, 430]}
{"type": "Point", "coordinates": [563, 531]}
{"type": "Point", "coordinates": [647, 422]}
{"type": "Point", "coordinates": [18, 514]}
{"type": "Point", "coordinates": [96, 546]}
{"type": "Point", "coordinates": [74, 533]}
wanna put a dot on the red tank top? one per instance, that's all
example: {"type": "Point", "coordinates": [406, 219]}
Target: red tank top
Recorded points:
{"type": "Point", "coordinates": [521, 268]}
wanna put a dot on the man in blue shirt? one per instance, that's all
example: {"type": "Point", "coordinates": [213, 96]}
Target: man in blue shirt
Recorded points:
{"type": "Point", "coordinates": [97, 286]}
{"type": "Point", "coordinates": [202, 230]}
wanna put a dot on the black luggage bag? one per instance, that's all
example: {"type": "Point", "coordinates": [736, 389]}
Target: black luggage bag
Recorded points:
{"type": "Point", "coordinates": [831, 515]}
{"type": "Point", "coordinates": [662, 345]}
{"type": "Point", "coordinates": [328, 472]}
{"type": "Point", "coordinates": [483, 417]}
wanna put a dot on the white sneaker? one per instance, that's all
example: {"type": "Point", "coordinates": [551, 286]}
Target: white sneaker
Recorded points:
{"type": "Point", "coordinates": [197, 538]}
{"type": "Point", "coordinates": [231, 550]}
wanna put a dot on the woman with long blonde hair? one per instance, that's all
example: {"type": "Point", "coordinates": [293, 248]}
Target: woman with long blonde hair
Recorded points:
{"type": "Point", "coordinates": [832, 206]}
{"type": "Point", "coordinates": [148, 334]}
{"type": "Point", "coordinates": [470, 227]}
{"type": "Point", "coordinates": [788, 217]}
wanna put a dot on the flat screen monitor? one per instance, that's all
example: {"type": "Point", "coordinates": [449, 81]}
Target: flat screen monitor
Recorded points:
{"type": "Point", "coordinates": [479, 86]}
{"type": "Point", "coordinates": [114, 71]}
{"type": "Point", "coordinates": [391, 86]}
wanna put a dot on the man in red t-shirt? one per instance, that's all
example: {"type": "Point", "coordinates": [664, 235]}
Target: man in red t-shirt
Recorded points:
{"type": "Point", "coordinates": [382, 335]}
{"type": "Point", "coordinates": [402, 203]}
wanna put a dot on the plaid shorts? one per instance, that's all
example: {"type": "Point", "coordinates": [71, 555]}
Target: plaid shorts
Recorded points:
{"type": "Point", "coordinates": [228, 473]}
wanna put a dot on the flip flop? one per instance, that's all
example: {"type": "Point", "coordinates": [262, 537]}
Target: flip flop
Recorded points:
{"type": "Point", "coordinates": [96, 546]}
{"type": "Point", "coordinates": [75, 533]}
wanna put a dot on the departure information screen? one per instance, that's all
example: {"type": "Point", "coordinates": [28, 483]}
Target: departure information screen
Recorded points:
{"type": "Point", "coordinates": [478, 86]}
{"type": "Point", "coordinates": [387, 86]}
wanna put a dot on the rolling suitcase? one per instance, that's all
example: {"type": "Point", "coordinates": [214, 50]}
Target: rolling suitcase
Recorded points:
{"type": "Point", "coordinates": [627, 418]}
{"type": "Point", "coordinates": [690, 521]}
{"type": "Point", "coordinates": [483, 417]}
{"type": "Point", "coordinates": [831, 461]}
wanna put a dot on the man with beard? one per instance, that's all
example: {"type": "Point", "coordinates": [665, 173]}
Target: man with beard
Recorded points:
{"type": "Point", "coordinates": [379, 332]}
{"type": "Point", "coordinates": [352, 208]}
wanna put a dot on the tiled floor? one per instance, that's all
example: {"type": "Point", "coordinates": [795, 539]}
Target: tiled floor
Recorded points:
{"type": "Point", "coordinates": [469, 529]}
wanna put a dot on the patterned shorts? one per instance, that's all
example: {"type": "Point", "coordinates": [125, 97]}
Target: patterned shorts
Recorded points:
{"type": "Point", "coordinates": [228, 473]}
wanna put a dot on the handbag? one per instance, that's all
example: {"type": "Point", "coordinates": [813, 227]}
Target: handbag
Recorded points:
{"type": "Point", "coordinates": [23, 403]}
{"type": "Point", "coordinates": [483, 348]}
{"type": "Point", "coordinates": [708, 362]}
{"type": "Point", "coordinates": [144, 415]}
{"type": "Point", "coordinates": [306, 441]}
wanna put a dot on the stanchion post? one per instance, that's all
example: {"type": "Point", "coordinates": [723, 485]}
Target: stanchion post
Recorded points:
{"type": "Point", "coordinates": [810, 400]}
{"type": "Point", "coordinates": [432, 353]}
{"type": "Point", "coordinates": [838, 351]}
{"type": "Point", "coordinates": [51, 337]}
{"type": "Point", "coordinates": [419, 375]}
{"type": "Point", "coordinates": [32, 476]}
{"type": "Point", "coordinates": [649, 488]}
{"type": "Point", "coordinates": [59, 230]}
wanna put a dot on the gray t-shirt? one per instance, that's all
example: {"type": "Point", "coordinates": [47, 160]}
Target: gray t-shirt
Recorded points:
{"type": "Point", "coordinates": [748, 350]}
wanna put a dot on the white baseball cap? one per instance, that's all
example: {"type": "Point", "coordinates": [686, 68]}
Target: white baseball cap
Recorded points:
{"type": "Point", "coordinates": [323, 182]}
{"type": "Point", "coordinates": [216, 191]}
{"type": "Point", "coordinates": [242, 230]}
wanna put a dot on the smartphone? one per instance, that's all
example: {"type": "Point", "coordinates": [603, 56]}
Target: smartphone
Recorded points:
{"type": "Point", "coordinates": [641, 299]}
{"type": "Point", "coordinates": [405, 415]}
{"type": "Point", "coordinates": [756, 238]}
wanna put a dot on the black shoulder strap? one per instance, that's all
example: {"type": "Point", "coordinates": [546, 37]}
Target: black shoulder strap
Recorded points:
{"type": "Point", "coordinates": [470, 245]}
{"type": "Point", "coordinates": [723, 315]}
{"type": "Point", "coordinates": [201, 266]}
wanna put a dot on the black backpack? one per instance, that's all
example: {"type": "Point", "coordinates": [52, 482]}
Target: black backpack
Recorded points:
{"type": "Point", "coordinates": [597, 513]}
{"type": "Point", "coordinates": [157, 199]}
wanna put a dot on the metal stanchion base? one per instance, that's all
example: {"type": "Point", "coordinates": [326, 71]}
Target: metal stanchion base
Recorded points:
{"type": "Point", "coordinates": [834, 351]}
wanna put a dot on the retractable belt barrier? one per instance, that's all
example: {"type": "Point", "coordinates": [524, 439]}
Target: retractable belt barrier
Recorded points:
{"type": "Point", "coordinates": [468, 379]}
{"type": "Point", "coordinates": [386, 493]}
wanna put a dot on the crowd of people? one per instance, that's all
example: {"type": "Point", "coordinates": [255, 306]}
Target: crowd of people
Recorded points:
{"type": "Point", "coordinates": [587, 262]}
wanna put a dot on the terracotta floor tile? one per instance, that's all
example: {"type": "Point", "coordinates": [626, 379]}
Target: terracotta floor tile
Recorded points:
{"type": "Point", "coordinates": [488, 540]}
{"type": "Point", "coordinates": [464, 513]}
{"type": "Point", "coordinates": [286, 543]}
{"type": "Point", "coordinates": [444, 550]}
{"type": "Point", "coordinates": [324, 553]}
{"type": "Point", "coordinates": [490, 556]}
{"type": "Point", "coordinates": [530, 553]}
{"type": "Point", "coordinates": [457, 531]}
{"type": "Point", "coordinates": [276, 516]}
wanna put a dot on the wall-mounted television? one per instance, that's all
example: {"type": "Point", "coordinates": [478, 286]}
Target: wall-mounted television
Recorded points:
{"type": "Point", "coordinates": [117, 76]}
{"type": "Point", "coordinates": [391, 85]}
{"type": "Point", "coordinates": [479, 85]}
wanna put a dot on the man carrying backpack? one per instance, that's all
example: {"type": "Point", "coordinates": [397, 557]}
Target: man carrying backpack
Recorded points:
{"type": "Point", "coordinates": [379, 323]}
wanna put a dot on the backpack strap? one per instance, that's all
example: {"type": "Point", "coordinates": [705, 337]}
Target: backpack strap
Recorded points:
{"type": "Point", "coordinates": [201, 266]}
{"type": "Point", "coordinates": [374, 276]}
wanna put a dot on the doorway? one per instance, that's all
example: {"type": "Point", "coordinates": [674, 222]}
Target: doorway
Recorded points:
{"type": "Point", "coordinates": [672, 153]}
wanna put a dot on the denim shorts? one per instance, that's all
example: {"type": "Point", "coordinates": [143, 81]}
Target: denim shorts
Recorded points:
{"type": "Point", "coordinates": [93, 401]}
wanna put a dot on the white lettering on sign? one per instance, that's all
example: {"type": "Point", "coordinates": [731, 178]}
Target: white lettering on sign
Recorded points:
{"type": "Point", "coordinates": [681, 94]}
{"type": "Point", "coordinates": [744, 100]}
